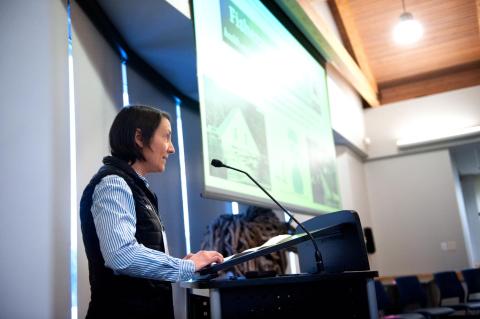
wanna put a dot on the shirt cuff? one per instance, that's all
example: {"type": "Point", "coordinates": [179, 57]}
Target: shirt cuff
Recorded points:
{"type": "Point", "coordinates": [187, 270]}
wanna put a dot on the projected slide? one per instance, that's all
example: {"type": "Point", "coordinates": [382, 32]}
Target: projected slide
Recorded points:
{"type": "Point", "coordinates": [264, 109]}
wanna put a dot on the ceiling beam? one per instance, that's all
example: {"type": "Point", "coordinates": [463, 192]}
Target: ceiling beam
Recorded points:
{"type": "Point", "coordinates": [457, 77]}
{"type": "Point", "coordinates": [305, 17]}
{"type": "Point", "coordinates": [342, 14]}
{"type": "Point", "coordinates": [478, 15]}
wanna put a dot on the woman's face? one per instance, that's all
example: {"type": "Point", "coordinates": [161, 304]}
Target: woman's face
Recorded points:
{"type": "Point", "coordinates": [160, 148]}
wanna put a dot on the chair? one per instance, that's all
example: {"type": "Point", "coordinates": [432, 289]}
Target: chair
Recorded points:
{"type": "Point", "coordinates": [472, 280]}
{"type": "Point", "coordinates": [450, 287]}
{"type": "Point", "coordinates": [384, 303]}
{"type": "Point", "coordinates": [410, 293]}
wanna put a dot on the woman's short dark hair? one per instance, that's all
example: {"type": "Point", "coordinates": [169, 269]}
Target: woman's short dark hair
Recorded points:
{"type": "Point", "coordinates": [128, 120]}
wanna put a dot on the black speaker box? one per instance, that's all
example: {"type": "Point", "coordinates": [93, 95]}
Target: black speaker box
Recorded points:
{"type": "Point", "coordinates": [369, 242]}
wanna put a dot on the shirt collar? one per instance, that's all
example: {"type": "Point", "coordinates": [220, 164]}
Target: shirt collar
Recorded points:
{"type": "Point", "coordinates": [143, 179]}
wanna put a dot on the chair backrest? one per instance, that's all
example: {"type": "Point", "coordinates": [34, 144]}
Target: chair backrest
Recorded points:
{"type": "Point", "coordinates": [383, 301]}
{"type": "Point", "coordinates": [410, 291]}
{"type": "Point", "coordinates": [449, 285]}
{"type": "Point", "coordinates": [472, 280]}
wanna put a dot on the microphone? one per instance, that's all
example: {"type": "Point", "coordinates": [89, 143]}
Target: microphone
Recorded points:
{"type": "Point", "coordinates": [217, 163]}
{"type": "Point", "coordinates": [318, 255]}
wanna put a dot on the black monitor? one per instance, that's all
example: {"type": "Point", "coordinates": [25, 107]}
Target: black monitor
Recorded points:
{"type": "Point", "coordinates": [343, 250]}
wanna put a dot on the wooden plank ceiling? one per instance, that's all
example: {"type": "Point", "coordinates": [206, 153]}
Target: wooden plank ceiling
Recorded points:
{"type": "Point", "coordinates": [447, 57]}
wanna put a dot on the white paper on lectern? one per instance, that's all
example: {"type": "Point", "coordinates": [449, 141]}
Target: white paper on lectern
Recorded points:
{"type": "Point", "coordinates": [272, 241]}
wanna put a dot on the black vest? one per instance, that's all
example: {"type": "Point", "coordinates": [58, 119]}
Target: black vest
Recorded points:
{"type": "Point", "coordinates": [120, 296]}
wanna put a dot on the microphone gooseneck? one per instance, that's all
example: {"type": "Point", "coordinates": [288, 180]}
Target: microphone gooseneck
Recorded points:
{"type": "Point", "coordinates": [318, 255]}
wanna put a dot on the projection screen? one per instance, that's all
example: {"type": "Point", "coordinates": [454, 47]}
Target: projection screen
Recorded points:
{"type": "Point", "coordinates": [264, 109]}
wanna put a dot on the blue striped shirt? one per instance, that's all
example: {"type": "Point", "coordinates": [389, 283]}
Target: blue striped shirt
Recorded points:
{"type": "Point", "coordinates": [113, 211]}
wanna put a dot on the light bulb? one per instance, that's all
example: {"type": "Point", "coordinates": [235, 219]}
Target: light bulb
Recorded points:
{"type": "Point", "coordinates": [408, 30]}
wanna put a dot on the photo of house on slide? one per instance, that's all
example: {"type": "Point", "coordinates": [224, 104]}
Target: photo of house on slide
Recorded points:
{"type": "Point", "coordinates": [236, 135]}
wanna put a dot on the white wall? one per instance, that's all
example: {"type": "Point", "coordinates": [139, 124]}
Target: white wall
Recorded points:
{"type": "Point", "coordinates": [433, 114]}
{"type": "Point", "coordinates": [34, 231]}
{"type": "Point", "coordinates": [414, 210]}
{"type": "Point", "coordinates": [98, 97]}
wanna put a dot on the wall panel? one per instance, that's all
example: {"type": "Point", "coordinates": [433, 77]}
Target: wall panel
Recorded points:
{"type": "Point", "coordinates": [414, 210]}
{"type": "Point", "coordinates": [98, 97]}
{"type": "Point", "coordinates": [35, 226]}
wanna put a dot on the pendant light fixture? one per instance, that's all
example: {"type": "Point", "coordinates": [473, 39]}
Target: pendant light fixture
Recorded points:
{"type": "Point", "coordinates": [408, 30]}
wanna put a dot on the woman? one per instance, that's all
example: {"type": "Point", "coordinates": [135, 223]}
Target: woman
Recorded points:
{"type": "Point", "coordinates": [124, 238]}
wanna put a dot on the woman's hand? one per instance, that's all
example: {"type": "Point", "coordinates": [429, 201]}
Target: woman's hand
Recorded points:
{"type": "Point", "coordinates": [204, 258]}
